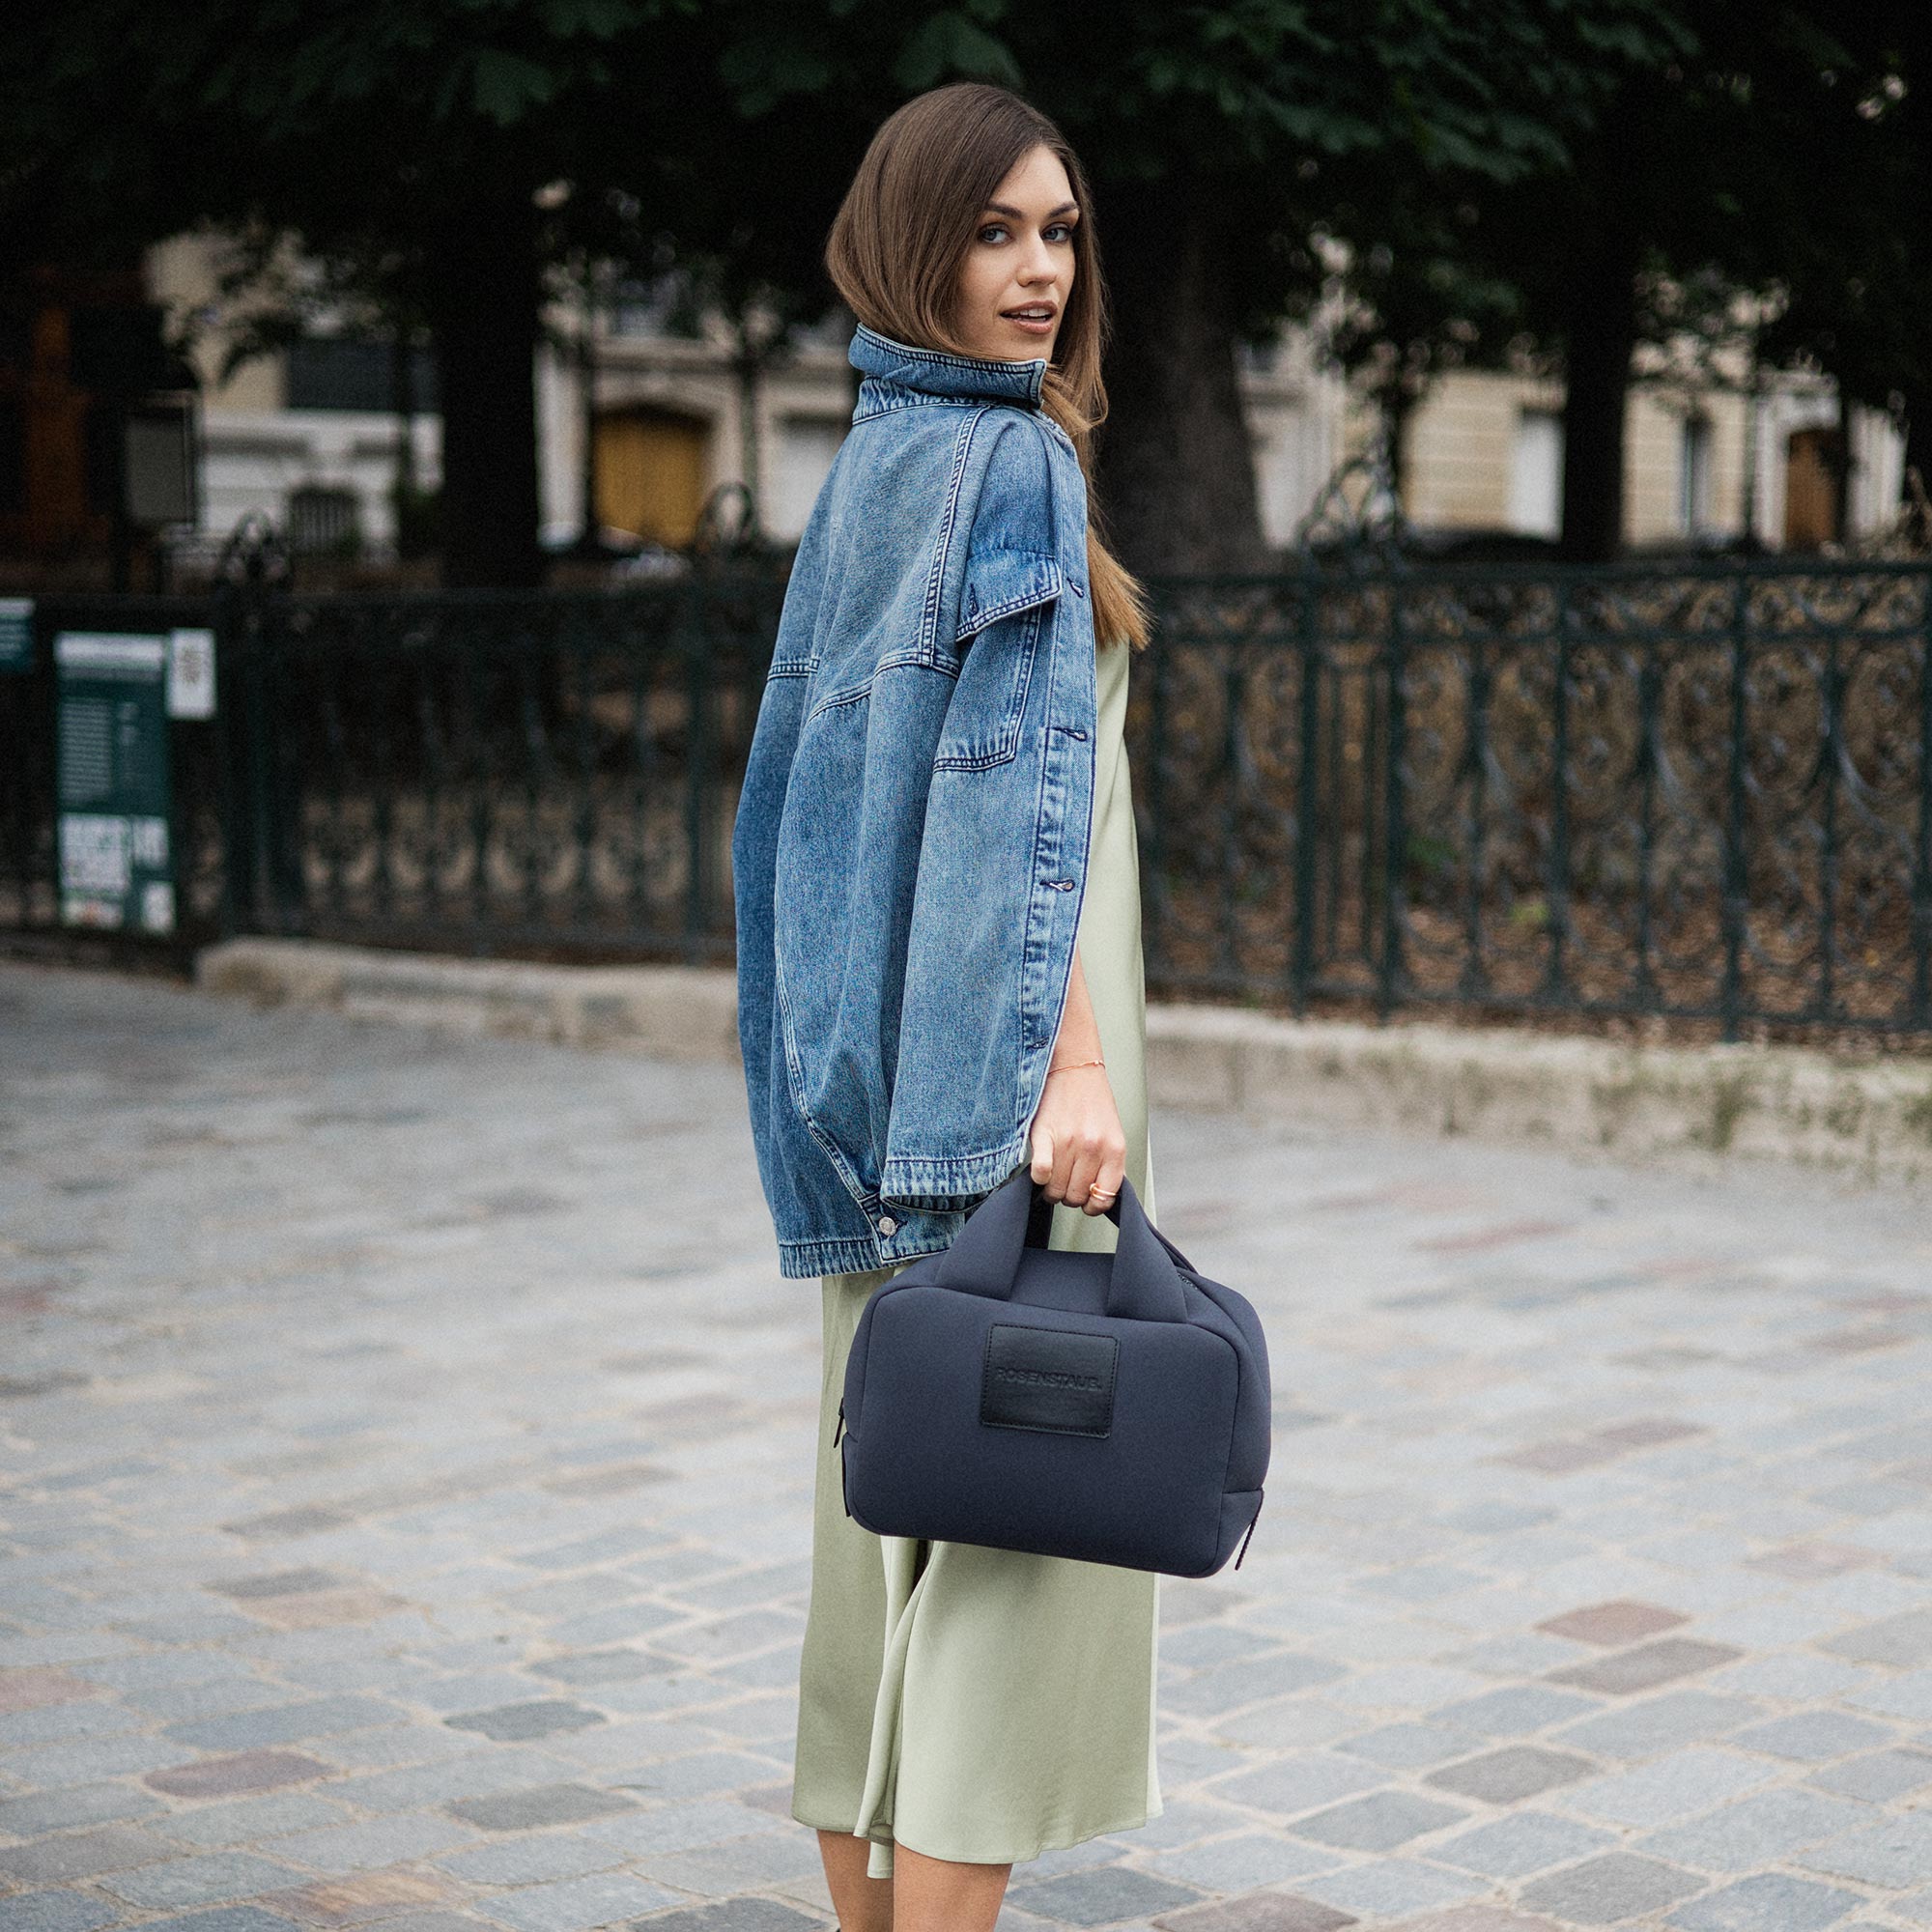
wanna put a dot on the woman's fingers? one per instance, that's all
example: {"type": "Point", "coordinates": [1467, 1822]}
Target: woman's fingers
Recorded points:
{"type": "Point", "coordinates": [1083, 1171]}
{"type": "Point", "coordinates": [1102, 1188]}
{"type": "Point", "coordinates": [1042, 1154]}
{"type": "Point", "coordinates": [1106, 1189]}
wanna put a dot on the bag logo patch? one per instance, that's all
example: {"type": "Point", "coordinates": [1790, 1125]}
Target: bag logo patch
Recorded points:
{"type": "Point", "coordinates": [1058, 1379]}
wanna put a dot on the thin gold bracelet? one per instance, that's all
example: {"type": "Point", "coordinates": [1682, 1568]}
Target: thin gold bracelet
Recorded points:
{"type": "Point", "coordinates": [1068, 1066]}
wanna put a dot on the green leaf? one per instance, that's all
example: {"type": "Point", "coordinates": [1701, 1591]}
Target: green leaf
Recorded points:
{"type": "Point", "coordinates": [949, 46]}
{"type": "Point", "coordinates": [503, 87]}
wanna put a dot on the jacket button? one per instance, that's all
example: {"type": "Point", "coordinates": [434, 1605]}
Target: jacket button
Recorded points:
{"type": "Point", "coordinates": [887, 1225]}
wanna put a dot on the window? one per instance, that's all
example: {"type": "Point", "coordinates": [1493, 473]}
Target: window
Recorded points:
{"type": "Point", "coordinates": [1536, 474]}
{"type": "Point", "coordinates": [643, 308]}
{"type": "Point", "coordinates": [807, 446]}
{"type": "Point", "coordinates": [323, 521]}
{"type": "Point", "coordinates": [341, 372]}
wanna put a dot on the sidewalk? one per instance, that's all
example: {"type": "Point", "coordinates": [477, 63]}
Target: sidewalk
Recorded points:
{"type": "Point", "coordinates": [1867, 1115]}
{"type": "Point", "coordinates": [404, 1450]}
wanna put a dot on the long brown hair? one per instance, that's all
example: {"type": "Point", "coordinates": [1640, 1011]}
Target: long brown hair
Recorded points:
{"type": "Point", "coordinates": [902, 237]}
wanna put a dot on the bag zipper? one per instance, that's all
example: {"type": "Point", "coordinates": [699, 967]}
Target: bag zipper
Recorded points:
{"type": "Point", "coordinates": [1261, 1496]}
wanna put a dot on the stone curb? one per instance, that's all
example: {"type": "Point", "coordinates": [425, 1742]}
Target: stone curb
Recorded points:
{"type": "Point", "coordinates": [1868, 1117]}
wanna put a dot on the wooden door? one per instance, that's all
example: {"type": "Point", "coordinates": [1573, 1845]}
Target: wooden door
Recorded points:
{"type": "Point", "coordinates": [650, 473]}
{"type": "Point", "coordinates": [1810, 489]}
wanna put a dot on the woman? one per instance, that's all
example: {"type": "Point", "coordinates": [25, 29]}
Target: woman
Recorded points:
{"type": "Point", "coordinates": [940, 977]}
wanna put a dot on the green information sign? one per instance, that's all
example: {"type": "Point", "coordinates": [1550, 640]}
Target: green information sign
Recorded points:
{"type": "Point", "coordinates": [17, 634]}
{"type": "Point", "coordinates": [116, 862]}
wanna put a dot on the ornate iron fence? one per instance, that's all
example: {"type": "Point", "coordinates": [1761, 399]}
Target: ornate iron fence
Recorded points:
{"type": "Point", "coordinates": [1702, 791]}
{"type": "Point", "coordinates": [1697, 791]}
{"type": "Point", "coordinates": [480, 771]}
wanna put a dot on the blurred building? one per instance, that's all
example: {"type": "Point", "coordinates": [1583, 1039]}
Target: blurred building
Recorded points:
{"type": "Point", "coordinates": [307, 437]}
{"type": "Point", "coordinates": [1703, 463]}
{"type": "Point", "coordinates": [653, 421]}
{"type": "Point", "coordinates": [97, 427]}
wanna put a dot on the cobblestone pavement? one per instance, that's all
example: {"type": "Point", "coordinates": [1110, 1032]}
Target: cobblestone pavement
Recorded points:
{"type": "Point", "coordinates": [405, 1451]}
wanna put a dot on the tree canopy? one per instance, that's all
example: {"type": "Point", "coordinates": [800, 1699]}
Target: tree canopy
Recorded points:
{"type": "Point", "coordinates": [1509, 173]}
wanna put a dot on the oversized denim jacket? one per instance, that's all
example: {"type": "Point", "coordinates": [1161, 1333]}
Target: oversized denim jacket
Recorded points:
{"type": "Point", "coordinates": [910, 853]}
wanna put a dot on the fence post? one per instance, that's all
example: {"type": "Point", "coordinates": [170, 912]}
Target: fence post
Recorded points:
{"type": "Point", "coordinates": [1388, 979]}
{"type": "Point", "coordinates": [1921, 856]}
{"type": "Point", "coordinates": [237, 883]}
{"type": "Point", "coordinates": [1735, 882]}
{"type": "Point", "coordinates": [1553, 965]}
{"type": "Point", "coordinates": [251, 862]}
{"type": "Point", "coordinates": [1307, 805]}
{"type": "Point", "coordinates": [697, 800]}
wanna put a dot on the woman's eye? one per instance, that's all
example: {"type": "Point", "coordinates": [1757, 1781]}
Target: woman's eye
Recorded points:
{"type": "Point", "coordinates": [996, 230]}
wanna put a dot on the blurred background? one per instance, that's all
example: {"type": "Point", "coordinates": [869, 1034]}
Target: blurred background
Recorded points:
{"type": "Point", "coordinates": [1519, 412]}
{"type": "Point", "coordinates": [486, 294]}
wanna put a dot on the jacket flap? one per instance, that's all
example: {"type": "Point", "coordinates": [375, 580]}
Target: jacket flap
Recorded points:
{"type": "Point", "coordinates": [1001, 582]}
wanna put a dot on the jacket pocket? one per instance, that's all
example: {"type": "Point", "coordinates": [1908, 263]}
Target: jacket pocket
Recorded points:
{"type": "Point", "coordinates": [1001, 582]}
{"type": "Point", "coordinates": [1000, 611]}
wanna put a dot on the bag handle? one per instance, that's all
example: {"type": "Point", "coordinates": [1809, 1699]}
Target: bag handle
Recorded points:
{"type": "Point", "coordinates": [1040, 1228]}
{"type": "Point", "coordinates": [1141, 1284]}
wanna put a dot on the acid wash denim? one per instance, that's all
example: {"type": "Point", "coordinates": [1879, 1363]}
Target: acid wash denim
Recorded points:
{"type": "Point", "coordinates": [910, 852]}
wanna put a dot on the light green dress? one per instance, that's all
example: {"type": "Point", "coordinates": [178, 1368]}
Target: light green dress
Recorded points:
{"type": "Point", "coordinates": [987, 1705]}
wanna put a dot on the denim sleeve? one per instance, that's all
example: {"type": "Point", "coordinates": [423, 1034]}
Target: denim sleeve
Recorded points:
{"type": "Point", "coordinates": [1002, 853]}
{"type": "Point", "coordinates": [755, 842]}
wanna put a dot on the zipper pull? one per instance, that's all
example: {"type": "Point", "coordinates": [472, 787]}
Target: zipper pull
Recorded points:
{"type": "Point", "coordinates": [841, 1430]}
{"type": "Point", "coordinates": [1252, 1520]}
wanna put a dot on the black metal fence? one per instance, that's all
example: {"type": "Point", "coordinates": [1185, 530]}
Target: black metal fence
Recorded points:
{"type": "Point", "coordinates": [471, 772]}
{"type": "Point", "coordinates": [1701, 791]}
{"type": "Point", "coordinates": [1697, 791]}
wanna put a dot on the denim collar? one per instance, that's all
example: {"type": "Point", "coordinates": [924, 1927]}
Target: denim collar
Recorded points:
{"type": "Point", "coordinates": [935, 374]}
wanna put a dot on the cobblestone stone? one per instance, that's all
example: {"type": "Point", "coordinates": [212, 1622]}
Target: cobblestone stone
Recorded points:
{"type": "Point", "coordinates": [407, 1497]}
{"type": "Point", "coordinates": [1610, 1890]}
{"type": "Point", "coordinates": [1771, 1902]}
{"type": "Point", "coordinates": [1516, 1772]}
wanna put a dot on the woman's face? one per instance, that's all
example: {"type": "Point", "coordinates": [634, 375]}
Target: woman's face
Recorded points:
{"type": "Point", "coordinates": [1018, 270]}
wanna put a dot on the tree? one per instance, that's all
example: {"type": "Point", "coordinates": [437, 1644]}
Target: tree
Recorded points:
{"type": "Point", "coordinates": [1219, 137]}
{"type": "Point", "coordinates": [429, 126]}
{"type": "Point", "coordinates": [1750, 165]}
{"type": "Point", "coordinates": [1518, 171]}
{"type": "Point", "coordinates": [1855, 274]}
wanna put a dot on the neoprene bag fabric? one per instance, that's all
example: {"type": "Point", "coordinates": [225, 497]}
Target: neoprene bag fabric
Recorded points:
{"type": "Point", "coordinates": [1109, 1408]}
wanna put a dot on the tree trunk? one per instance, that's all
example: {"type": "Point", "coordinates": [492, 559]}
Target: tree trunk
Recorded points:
{"type": "Point", "coordinates": [484, 291]}
{"type": "Point", "coordinates": [1176, 468]}
{"type": "Point", "coordinates": [1918, 457]}
{"type": "Point", "coordinates": [1600, 333]}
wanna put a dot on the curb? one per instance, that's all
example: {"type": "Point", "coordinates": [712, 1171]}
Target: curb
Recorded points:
{"type": "Point", "coordinates": [1868, 1117]}
{"type": "Point", "coordinates": [671, 1012]}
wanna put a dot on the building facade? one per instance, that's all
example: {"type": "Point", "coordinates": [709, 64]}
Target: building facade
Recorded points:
{"type": "Point", "coordinates": [1704, 464]}
{"type": "Point", "coordinates": [311, 438]}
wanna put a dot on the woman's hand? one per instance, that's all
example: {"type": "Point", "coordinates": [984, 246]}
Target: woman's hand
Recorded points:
{"type": "Point", "coordinates": [1079, 1147]}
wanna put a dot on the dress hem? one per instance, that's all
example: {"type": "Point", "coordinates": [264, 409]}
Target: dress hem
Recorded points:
{"type": "Point", "coordinates": [1052, 1842]}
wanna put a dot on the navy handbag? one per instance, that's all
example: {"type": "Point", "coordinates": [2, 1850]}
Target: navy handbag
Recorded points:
{"type": "Point", "coordinates": [1109, 1408]}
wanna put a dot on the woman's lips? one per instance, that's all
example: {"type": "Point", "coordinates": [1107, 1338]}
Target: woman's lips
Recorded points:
{"type": "Point", "coordinates": [1031, 324]}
